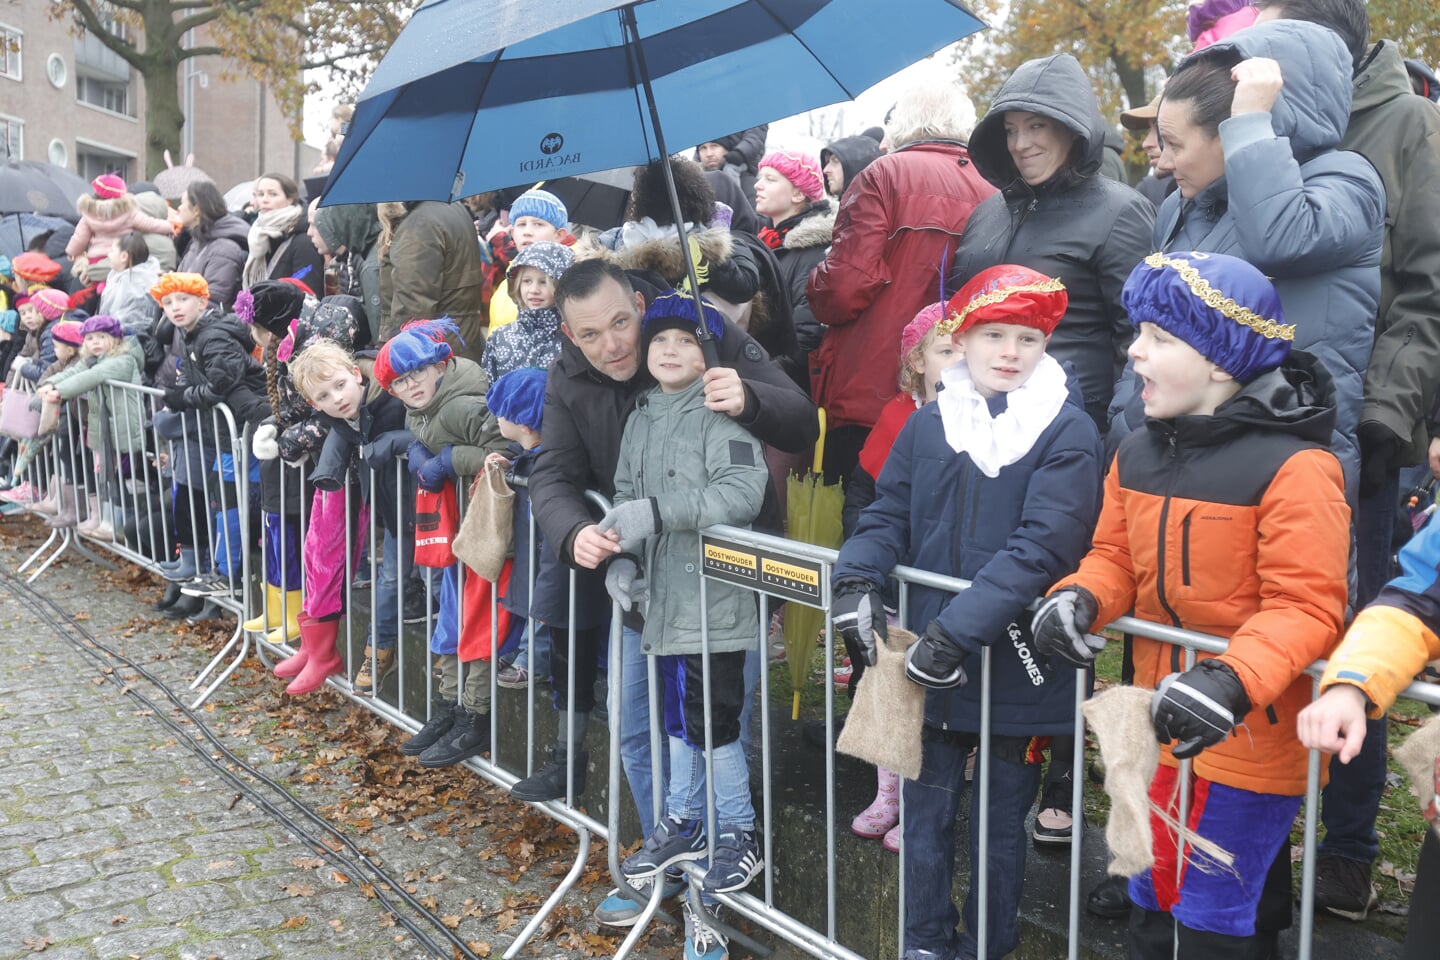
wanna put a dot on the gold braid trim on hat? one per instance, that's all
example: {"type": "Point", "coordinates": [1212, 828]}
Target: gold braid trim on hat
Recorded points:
{"type": "Point", "coordinates": [1269, 329]}
{"type": "Point", "coordinates": [956, 318]}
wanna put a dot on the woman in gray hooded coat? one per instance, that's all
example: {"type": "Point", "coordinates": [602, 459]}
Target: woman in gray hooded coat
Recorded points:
{"type": "Point", "coordinates": [1260, 177]}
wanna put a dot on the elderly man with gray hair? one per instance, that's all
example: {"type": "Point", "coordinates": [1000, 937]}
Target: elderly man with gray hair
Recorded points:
{"type": "Point", "coordinates": [895, 235]}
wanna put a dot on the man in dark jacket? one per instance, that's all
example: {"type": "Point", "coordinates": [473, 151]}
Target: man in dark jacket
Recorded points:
{"type": "Point", "coordinates": [843, 160]}
{"type": "Point", "coordinates": [1399, 133]}
{"type": "Point", "coordinates": [1156, 186]}
{"type": "Point", "coordinates": [591, 390]}
{"type": "Point", "coordinates": [432, 269]}
{"type": "Point", "coordinates": [738, 154]}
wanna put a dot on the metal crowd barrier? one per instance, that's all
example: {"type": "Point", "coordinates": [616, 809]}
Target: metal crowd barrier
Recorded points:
{"type": "Point", "coordinates": [780, 570]}
{"type": "Point", "coordinates": [799, 572]}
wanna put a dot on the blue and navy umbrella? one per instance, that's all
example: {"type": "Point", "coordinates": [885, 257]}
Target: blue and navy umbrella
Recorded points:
{"type": "Point", "coordinates": [481, 94]}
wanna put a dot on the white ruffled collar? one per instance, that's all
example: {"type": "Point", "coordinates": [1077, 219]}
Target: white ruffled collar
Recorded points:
{"type": "Point", "coordinates": [994, 442]}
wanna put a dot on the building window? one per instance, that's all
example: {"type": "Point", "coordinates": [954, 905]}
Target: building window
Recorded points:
{"type": "Point", "coordinates": [106, 94]}
{"type": "Point", "coordinates": [92, 161]}
{"type": "Point", "coordinates": [10, 52]}
{"type": "Point", "coordinates": [12, 138]}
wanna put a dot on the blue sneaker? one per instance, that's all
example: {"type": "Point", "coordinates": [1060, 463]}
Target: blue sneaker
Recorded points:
{"type": "Point", "coordinates": [737, 861]}
{"type": "Point", "coordinates": [618, 910]}
{"type": "Point", "coordinates": [671, 842]}
{"type": "Point", "coordinates": [703, 941]}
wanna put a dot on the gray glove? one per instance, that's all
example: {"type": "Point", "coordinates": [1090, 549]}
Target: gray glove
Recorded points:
{"type": "Point", "coordinates": [624, 583]}
{"type": "Point", "coordinates": [1062, 626]}
{"type": "Point", "coordinates": [633, 519]}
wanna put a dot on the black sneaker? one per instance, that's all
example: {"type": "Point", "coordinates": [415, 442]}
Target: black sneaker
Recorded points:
{"type": "Point", "coordinates": [736, 862]}
{"type": "Point", "coordinates": [442, 718]}
{"type": "Point", "coordinates": [1343, 887]}
{"type": "Point", "coordinates": [469, 737]}
{"type": "Point", "coordinates": [548, 783]}
{"type": "Point", "coordinates": [214, 585]}
{"type": "Point", "coordinates": [669, 843]}
{"type": "Point", "coordinates": [415, 608]}
{"type": "Point", "coordinates": [1110, 898]}
{"type": "Point", "coordinates": [1054, 824]}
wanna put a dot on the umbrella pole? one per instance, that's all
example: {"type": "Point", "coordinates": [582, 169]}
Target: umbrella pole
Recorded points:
{"type": "Point", "coordinates": [702, 332]}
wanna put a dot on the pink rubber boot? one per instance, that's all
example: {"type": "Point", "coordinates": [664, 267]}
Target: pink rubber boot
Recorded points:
{"type": "Point", "coordinates": [874, 821]}
{"type": "Point", "coordinates": [317, 639]}
{"type": "Point", "coordinates": [290, 667]}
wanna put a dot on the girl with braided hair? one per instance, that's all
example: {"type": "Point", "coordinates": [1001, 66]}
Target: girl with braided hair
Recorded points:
{"type": "Point", "coordinates": [270, 308]}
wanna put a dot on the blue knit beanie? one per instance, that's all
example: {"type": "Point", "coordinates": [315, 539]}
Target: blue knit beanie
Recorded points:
{"type": "Point", "coordinates": [541, 204]}
{"type": "Point", "coordinates": [418, 344]}
{"type": "Point", "coordinates": [673, 310]}
{"type": "Point", "coordinates": [519, 396]}
{"type": "Point", "coordinates": [1218, 304]}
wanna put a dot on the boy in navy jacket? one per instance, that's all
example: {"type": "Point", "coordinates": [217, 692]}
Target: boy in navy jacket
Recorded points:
{"type": "Point", "coordinates": [998, 482]}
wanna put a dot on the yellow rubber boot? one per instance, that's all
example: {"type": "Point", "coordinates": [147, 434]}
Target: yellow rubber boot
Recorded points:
{"type": "Point", "coordinates": [269, 617]}
{"type": "Point", "coordinates": [291, 630]}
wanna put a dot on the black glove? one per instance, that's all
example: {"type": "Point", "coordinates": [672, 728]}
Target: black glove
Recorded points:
{"type": "Point", "coordinates": [1380, 452]}
{"type": "Point", "coordinates": [175, 398]}
{"type": "Point", "coordinates": [1199, 707]}
{"type": "Point", "coordinates": [935, 660]}
{"type": "Point", "coordinates": [1062, 626]}
{"type": "Point", "coordinates": [859, 613]}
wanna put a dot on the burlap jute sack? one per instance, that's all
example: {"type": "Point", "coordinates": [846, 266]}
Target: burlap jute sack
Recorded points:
{"type": "Point", "coordinates": [1120, 718]}
{"type": "Point", "coordinates": [883, 727]}
{"type": "Point", "coordinates": [1420, 755]}
{"type": "Point", "coordinates": [487, 533]}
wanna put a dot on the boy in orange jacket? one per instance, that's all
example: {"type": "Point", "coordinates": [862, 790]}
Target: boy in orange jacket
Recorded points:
{"type": "Point", "coordinates": [1225, 515]}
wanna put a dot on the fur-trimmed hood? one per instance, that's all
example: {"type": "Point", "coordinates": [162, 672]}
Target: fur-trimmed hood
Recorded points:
{"type": "Point", "coordinates": [92, 206]}
{"type": "Point", "coordinates": [815, 230]}
{"type": "Point", "coordinates": [664, 257]}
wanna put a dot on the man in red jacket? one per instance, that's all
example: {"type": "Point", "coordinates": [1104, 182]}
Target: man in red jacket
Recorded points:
{"type": "Point", "coordinates": [895, 235]}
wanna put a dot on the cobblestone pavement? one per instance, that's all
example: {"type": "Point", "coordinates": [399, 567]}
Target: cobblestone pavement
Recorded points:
{"type": "Point", "coordinates": [118, 840]}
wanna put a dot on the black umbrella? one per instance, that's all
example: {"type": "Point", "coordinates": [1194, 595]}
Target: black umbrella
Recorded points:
{"type": "Point", "coordinates": [597, 200]}
{"type": "Point", "coordinates": [29, 186]}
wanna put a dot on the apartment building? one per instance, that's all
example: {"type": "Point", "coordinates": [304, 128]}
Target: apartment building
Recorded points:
{"type": "Point", "coordinates": [73, 102]}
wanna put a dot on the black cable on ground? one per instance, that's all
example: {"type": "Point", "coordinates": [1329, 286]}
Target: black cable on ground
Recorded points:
{"type": "Point", "coordinates": [67, 627]}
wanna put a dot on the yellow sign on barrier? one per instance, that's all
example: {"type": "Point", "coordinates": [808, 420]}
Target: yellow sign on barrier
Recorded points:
{"type": "Point", "coordinates": [792, 578]}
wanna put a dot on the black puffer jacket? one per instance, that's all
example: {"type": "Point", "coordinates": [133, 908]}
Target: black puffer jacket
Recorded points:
{"type": "Point", "coordinates": [216, 367]}
{"type": "Point", "coordinates": [1081, 227]}
{"type": "Point", "coordinates": [807, 237]}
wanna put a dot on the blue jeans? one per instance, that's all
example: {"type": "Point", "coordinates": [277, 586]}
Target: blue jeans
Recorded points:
{"type": "Point", "coordinates": [635, 729]}
{"type": "Point", "coordinates": [387, 617]}
{"type": "Point", "coordinates": [931, 804]}
{"type": "Point", "coordinates": [686, 796]}
{"type": "Point", "coordinates": [539, 662]}
{"type": "Point", "coordinates": [634, 720]}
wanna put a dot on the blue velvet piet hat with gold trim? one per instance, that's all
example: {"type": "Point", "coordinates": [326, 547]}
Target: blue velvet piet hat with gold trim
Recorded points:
{"type": "Point", "coordinates": [1221, 305]}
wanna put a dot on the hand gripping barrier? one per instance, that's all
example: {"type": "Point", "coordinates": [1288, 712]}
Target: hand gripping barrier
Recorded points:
{"type": "Point", "coordinates": [136, 477]}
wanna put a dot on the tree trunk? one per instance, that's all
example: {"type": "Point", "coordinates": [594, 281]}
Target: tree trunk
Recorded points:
{"type": "Point", "coordinates": [1132, 81]}
{"type": "Point", "coordinates": [159, 70]}
{"type": "Point", "coordinates": [164, 119]}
